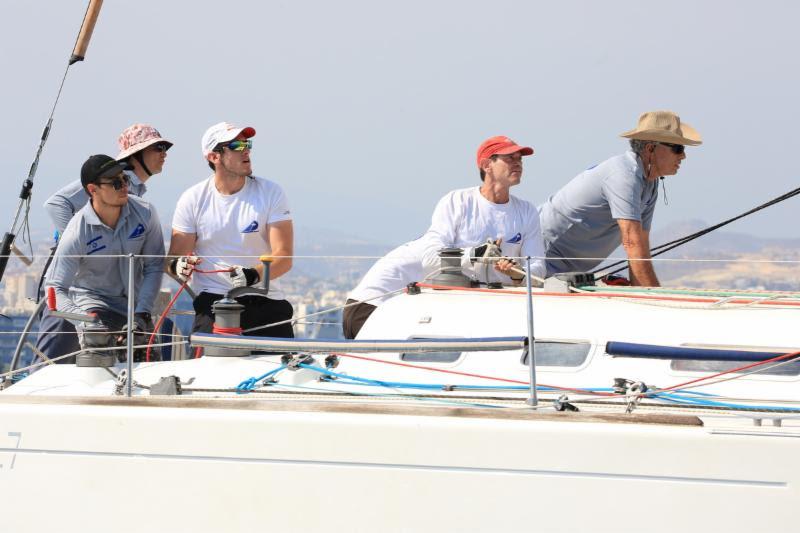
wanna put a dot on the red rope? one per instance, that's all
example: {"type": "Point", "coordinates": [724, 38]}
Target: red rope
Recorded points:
{"type": "Point", "coordinates": [613, 295]}
{"type": "Point", "coordinates": [161, 319]}
{"type": "Point", "coordinates": [468, 374]}
{"type": "Point", "coordinates": [732, 370]}
{"type": "Point", "coordinates": [169, 307]}
{"type": "Point", "coordinates": [226, 331]}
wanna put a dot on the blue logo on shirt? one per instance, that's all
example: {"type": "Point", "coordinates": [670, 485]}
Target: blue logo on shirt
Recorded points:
{"type": "Point", "coordinates": [94, 245]}
{"type": "Point", "coordinates": [137, 232]}
{"type": "Point", "coordinates": [251, 228]}
{"type": "Point", "coordinates": [515, 239]}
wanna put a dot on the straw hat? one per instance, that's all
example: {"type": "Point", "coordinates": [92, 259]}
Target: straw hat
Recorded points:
{"type": "Point", "coordinates": [138, 137]}
{"type": "Point", "coordinates": [665, 127]}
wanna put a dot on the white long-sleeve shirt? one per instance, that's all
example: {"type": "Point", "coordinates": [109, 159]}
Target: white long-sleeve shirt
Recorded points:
{"type": "Point", "coordinates": [465, 219]}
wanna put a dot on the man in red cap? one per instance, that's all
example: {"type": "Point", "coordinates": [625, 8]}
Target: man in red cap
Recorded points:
{"type": "Point", "coordinates": [466, 218]}
{"type": "Point", "coordinates": [473, 217]}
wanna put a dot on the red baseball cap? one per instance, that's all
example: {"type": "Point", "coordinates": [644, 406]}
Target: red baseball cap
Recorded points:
{"type": "Point", "coordinates": [500, 145]}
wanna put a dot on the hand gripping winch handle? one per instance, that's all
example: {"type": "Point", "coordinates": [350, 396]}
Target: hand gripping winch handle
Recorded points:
{"type": "Point", "coordinates": [261, 288]}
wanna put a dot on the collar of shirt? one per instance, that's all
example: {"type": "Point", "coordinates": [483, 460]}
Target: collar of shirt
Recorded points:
{"type": "Point", "coordinates": [136, 183]}
{"type": "Point", "coordinates": [639, 164]}
{"type": "Point", "coordinates": [91, 218]}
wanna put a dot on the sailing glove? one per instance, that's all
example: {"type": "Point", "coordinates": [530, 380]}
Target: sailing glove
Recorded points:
{"type": "Point", "coordinates": [489, 250]}
{"type": "Point", "coordinates": [244, 276]}
{"type": "Point", "coordinates": [182, 267]}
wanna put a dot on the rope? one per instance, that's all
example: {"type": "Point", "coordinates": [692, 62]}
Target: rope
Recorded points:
{"type": "Point", "coordinates": [171, 303]}
{"type": "Point", "coordinates": [329, 310]}
{"type": "Point", "coordinates": [457, 373]}
{"type": "Point", "coordinates": [72, 354]}
{"type": "Point", "coordinates": [250, 383]}
{"type": "Point", "coordinates": [663, 248]}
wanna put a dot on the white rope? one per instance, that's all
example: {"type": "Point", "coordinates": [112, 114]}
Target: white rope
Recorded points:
{"type": "Point", "coordinates": [71, 354]}
{"type": "Point", "coordinates": [332, 309]}
{"type": "Point", "coordinates": [372, 257]}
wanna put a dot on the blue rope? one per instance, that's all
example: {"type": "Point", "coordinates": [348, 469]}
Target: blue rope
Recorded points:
{"type": "Point", "coordinates": [714, 403]}
{"type": "Point", "coordinates": [681, 397]}
{"type": "Point", "coordinates": [345, 378]}
{"type": "Point", "coordinates": [250, 383]}
{"type": "Point", "coordinates": [370, 395]}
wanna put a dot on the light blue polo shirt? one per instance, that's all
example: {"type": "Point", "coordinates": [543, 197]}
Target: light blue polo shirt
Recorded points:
{"type": "Point", "coordinates": [85, 277]}
{"type": "Point", "coordinates": [63, 205]}
{"type": "Point", "coordinates": [580, 220]}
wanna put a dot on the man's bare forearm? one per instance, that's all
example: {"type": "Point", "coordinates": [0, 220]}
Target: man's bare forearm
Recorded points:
{"type": "Point", "coordinates": [642, 273]}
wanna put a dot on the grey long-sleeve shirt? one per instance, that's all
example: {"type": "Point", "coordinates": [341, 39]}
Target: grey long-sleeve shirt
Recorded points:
{"type": "Point", "coordinates": [85, 277]}
{"type": "Point", "coordinates": [68, 200]}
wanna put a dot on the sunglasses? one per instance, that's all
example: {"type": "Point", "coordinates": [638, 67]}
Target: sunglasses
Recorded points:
{"type": "Point", "coordinates": [676, 148]}
{"type": "Point", "coordinates": [160, 147]}
{"type": "Point", "coordinates": [238, 146]}
{"type": "Point", "coordinates": [118, 182]}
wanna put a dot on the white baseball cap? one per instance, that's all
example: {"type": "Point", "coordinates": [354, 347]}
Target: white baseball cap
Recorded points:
{"type": "Point", "coordinates": [223, 132]}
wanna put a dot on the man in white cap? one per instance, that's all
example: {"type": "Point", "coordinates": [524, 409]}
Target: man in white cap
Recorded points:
{"type": "Point", "coordinates": [613, 202]}
{"type": "Point", "coordinates": [464, 218]}
{"type": "Point", "coordinates": [143, 151]}
{"type": "Point", "coordinates": [226, 222]}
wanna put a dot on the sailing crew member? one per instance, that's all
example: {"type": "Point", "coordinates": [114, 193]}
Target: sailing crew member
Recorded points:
{"type": "Point", "coordinates": [387, 277]}
{"type": "Point", "coordinates": [144, 151]}
{"type": "Point", "coordinates": [227, 221]}
{"type": "Point", "coordinates": [468, 218]}
{"type": "Point", "coordinates": [464, 218]}
{"type": "Point", "coordinates": [112, 223]}
{"type": "Point", "coordinates": [613, 202]}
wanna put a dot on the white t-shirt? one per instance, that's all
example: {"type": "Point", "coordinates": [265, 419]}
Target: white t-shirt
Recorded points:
{"type": "Point", "coordinates": [465, 219]}
{"type": "Point", "coordinates": [390, 273]}
{"type": "Point", "coordinates": [231, 229]}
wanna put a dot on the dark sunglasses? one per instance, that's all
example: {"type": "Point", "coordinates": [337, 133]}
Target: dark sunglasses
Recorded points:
{"type": "Point", "coordinates": [160, 147]}
{"type": "Point", "coordinates": [676, 148]}
{"type": "Point", "coordinates": [118, 182]}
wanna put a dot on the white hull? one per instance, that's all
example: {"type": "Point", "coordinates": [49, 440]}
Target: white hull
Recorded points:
{"type": "Point", "coordinates": [75, 457]}
{"type": "Point", "coordinates": [81, 464]}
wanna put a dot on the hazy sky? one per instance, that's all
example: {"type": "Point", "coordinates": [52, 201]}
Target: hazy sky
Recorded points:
{"type": "Point", "coordinates": [368, 112]}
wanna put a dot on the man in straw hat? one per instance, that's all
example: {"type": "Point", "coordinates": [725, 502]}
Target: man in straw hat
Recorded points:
{"type": "Point", "coordinates": [613, 202]}
{"type": "Point", "coordinates": [143, 152]}
{"type": "Point", "coordinates": [464, 218]}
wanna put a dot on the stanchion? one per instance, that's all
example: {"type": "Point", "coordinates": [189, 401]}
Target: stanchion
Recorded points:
{"type": "Point", "coordinates": [129, 350]}
{"type": "Point", "coordinates": [533, 401]}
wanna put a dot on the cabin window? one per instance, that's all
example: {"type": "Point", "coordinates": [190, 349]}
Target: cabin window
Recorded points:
{"type": "Point", "coordinates": [430, 357]}
{"type": "Point", "coordinates": [688, 365]}
{"type": "Point", "coordinates": [559, 353]}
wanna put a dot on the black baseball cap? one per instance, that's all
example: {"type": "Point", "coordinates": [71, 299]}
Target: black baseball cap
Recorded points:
{"type": "Point", "coordinates": [100, 166]}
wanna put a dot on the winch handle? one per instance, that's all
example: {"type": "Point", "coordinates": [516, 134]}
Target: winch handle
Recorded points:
{"type": "Point", "coordinates": [261, 288]}
{"type": "Point", "coordinates": [79, 317]}
{"type": "Point", "coordinates": [266, 261]}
